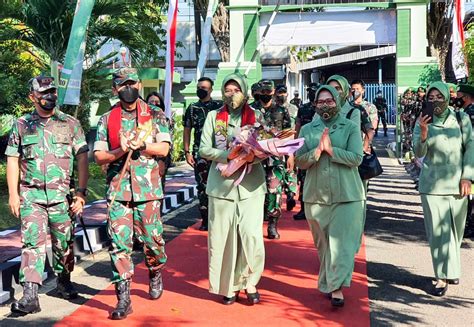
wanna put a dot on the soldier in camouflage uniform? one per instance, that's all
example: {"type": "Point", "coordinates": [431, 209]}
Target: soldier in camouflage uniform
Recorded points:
{"type": "Point", "coordinates": [41, 151]}
{"type": "Point", "coordinates": [134, 200]}
{"type": "Point", "coordinates": [194, 118]}
{"type": "Point", "coordinates": [381, 104]}
{"type": "Point", "coordinates": [304, 116]}
{"type": "Point", "coordinates": [290, 180]}
{"type": "Point", "coordinates": [296, 101]}
{"type": "Point", "coordinates": [358, 92]}
{"type": "Point", "coordinates": [277, 118]}
{"type": "Point", "coordinates": [255, 90]}
{"type": "Point", "coordinates": [465, 100]}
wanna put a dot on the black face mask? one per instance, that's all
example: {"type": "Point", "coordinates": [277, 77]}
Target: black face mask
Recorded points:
{"type": "Point", "coordinates": [256, 97]}
{"type": "Point", "coordinates": [48, 101]}
{"type": "Point", "coordinates": [281, 98]}
{"type": "Point", "coordinates": [201, 93]}
{"type": "Point", "coordinates": [265, 98]}
{"type": "Point", "coordinates": [459, 102]}
{"type": "Point", "coordinates": [311, 96]}
{"type": "Point", "coordinates": [128, 94]}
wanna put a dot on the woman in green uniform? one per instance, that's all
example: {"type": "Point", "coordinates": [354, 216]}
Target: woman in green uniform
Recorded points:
{"type": "Point", "coordinates": [333, 192]}
{"type": "Point", "coordinates": [446, 143]}
{"type": "Point", "coordinates": [235, 242]}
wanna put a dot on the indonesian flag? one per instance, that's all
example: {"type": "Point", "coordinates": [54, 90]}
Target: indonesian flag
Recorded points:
{"type": "Point", "coordinates": [457, 56]}
{"type": "Point", "coordinates": [170, 50]}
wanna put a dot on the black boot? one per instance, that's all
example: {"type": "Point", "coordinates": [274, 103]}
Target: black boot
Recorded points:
{"type": "Point", "coordinates": [29, 303]}
{"type": "Point", "coordinates": [385, 132]}
{"type": "Point", "coordinates": [272, 228]}
{"type": "Point", "coordinates": [124, 305]}
{"type": "Point", "coordinates": [65, 289]}
{"type": "Point", "coordinates": [290, 202]}
{"type": "Point", "coordinates": [156, 285]}
{"type": "Point", "coordinates": [300, 215]}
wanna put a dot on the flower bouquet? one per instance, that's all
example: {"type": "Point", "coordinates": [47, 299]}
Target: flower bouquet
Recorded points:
{"type": "Point", "coordinates": [255, 143]}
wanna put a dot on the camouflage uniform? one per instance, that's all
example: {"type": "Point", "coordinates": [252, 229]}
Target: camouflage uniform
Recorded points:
{"type": "Point", "coordinates": [371, 111]}
{"type": "Point", "coordinates": [290, 178]}
{"type": "Point", "coordinates": [296, 102]}
{"type": "Point", "coordinates": [257, 105]}
{"type": "Point", "coordinates": [46, 148]}
{"type": "Point", "coordinates": [304, 116]}
{"type": "Point", "coordinates": [381, 105]}
{"type": "Point", "coordinates": [277, 118]}
{"type": "Point", "coordinates": [136, 209]}
{"type": "Point", "coordinates": [194, 117]}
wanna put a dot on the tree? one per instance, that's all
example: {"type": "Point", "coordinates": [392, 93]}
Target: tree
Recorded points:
{"type": "Point", "coordinates": [44, 26]}
{"type": "Point", "coordinates": [469, 51]}
{"type": "Point", "coordinates": [439, 20]}
{"type": "Point", "coordinates": [220, 25]}
{"type": "Point", "coordinates": [17, 67]}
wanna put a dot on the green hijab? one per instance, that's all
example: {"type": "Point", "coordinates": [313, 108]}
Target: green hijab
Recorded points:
{"type": "Point", "coordinates": [336, 97]}
{"type": "Point", "coordinates": [240, 79]}
{"type": "Point", "coordinates": [442, 87]}
{"type": "Point", "coordinates": [342, 81]}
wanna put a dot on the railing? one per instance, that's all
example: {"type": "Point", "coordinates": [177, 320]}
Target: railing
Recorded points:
{"type": "Point", "coordinates": [389, 92]}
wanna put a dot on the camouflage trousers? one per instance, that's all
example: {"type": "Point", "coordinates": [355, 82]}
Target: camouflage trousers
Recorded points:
{"type": "Point", "coordinates": [35, 219]}
{"type": "Point", "coordinates": [139, 219]}
{"type": "Point", "coordinates": [278, 179]}
{"type": "Point", "coordinates": [201, 172]}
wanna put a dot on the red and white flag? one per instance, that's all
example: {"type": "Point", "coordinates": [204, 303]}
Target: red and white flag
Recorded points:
{"type": "Point", "coordinates": [170, 50]}
{"type": "Point", "coordinates": [457, 55]}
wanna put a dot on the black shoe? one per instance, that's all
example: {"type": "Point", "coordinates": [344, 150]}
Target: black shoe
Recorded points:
{"type": "Point", "coordinates": [290, 203]}
{"type": "Point", "coordinates": [29, 303]}
{"type": "Point", "coordinates": [230, 300]}
{"type": "Point", "coordinates": [440, 291]}
{"type": "Point", "coordinates": [64, 288]}
{"type": "Point", "coordinates": [272, 230]}
{"type": "Point", "coordinates": [336, 302]}
{"type": "Point", "coordinates": [300, 215]}
{"type": "Point", "coordinates": [253, 298]}
{"type": "Point", "coordinates": [454, 281]}
{"type": "Point", "coordinates": [124, 304]}
{"type": "Point", "coordinates": [156, 285]}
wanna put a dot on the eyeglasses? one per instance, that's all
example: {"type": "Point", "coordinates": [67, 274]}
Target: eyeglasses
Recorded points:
{"type": "Point", "coordinates": [329, 102]}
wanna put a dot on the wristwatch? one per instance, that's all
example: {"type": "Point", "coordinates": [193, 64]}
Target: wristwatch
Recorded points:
{"type": "Point", "coordinates": [84, 191]}
{"type": "Point", "coordinates": [186, 152]}
{"type": "Point", "coordinates": [143, 147]}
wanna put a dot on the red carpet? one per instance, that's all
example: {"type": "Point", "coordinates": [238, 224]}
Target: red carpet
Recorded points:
{"type": "Point", "coordinates": [288, 289]}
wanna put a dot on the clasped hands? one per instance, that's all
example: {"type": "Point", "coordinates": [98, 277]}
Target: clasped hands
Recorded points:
{"type": "Point", "coordinates": [325, 145]}
{"type": "Point", "coordinates": [129, 142]}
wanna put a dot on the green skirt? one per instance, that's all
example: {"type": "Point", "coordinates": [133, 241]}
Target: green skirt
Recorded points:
{"type": "Point", "coordinates": [445, 219]}
{"type": "Point", "coordinates": [336, 230]}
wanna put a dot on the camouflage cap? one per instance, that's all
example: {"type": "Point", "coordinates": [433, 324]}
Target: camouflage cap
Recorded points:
{"type": "Point", "coordinates": [466, 88]}
{"type": "Point", "coordinates": [42, 83]}
{"type": "Point", "coordinates": [281, 88]}
{"type": "Point", "coordinates": [267, 84]}
{"type": "Point", "coordinates": [125, 74]}
{"type": "Point", "coordinates": [255, 87]}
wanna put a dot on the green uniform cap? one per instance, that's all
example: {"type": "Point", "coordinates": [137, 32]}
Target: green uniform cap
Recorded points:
{"type": "Point", "coordinates": [125, 74]}
{"type": "Point", "coordinates": [466, 88]}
